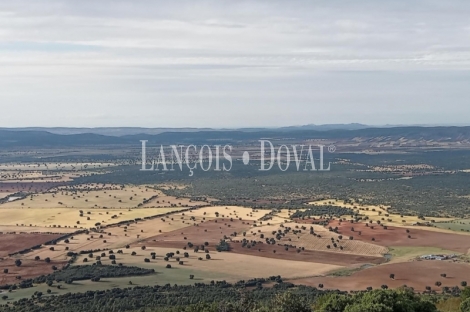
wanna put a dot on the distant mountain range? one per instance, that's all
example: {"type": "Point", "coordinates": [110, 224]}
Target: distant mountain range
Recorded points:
{"type": "Point", "coordinates": [124, 131]}
{"type": "Point", "coordinates": [39, 137]}
{"type": "Point", "coordinates": [109, 131]}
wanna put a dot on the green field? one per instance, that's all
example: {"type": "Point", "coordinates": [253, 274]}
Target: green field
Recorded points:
{"type": "Point", "coordinates": [459, 225]}
{"type": "Point", "coordinates": [348, 271]}
{"type": "Point", "coordinates": [175, 275]}
{"type": "Point", "coordinates": [401, 253]}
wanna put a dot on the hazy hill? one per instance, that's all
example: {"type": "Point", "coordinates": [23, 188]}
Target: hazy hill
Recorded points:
{"type": "Point", "coordinates": [16, 138]}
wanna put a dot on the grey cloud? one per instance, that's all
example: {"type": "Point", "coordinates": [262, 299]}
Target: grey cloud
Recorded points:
{"type": "Point", "coordinates": [125, 62]}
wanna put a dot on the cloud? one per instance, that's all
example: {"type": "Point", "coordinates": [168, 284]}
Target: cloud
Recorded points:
{"type": "Point", "coordinates": [113, 54]}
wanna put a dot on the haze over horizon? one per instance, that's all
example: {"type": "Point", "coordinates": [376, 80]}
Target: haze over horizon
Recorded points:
{"type": "Point", "coordinates": [223, 64]}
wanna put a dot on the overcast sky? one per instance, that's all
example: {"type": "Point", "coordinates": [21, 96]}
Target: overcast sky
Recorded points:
{"type": "Point", "coordinates": [233, 63]}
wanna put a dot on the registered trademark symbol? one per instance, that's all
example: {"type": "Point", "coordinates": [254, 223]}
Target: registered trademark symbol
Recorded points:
{"type": "Point", "coordinates": [331, 148]}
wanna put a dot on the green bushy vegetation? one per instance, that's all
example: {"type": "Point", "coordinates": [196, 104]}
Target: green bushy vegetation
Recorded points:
{"type": "Point", "coordinates": [327, 210]}
{"type": "Point", "coordinates": [436, 191]}
{"type": "Point", "coordinates": [225, 297]}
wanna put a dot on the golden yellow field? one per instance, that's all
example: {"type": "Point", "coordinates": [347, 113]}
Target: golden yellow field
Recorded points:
{"type": "Point", "coordinates": [353, 247]}
{"type": "Point", "coordinates": [285, 213]}
{"type": "Point", "coordinates": [230, 212]}
{"type": "Point", "coordinates": [68, 217]}
{"type": "Point", "coordinates": [166, 201]}
{"type": "Point", "coordinates": [128, 197]}
{"type": "Point", "coordinates": [376, 213]}
{"type": "Point", "coordinates": [247, 266]}
{"type": "Point", "coordinates": [114, 237]}
{"type": "Point", "coordinates": [311, 242]}
{"type": "Point", "coordinates": [34, 229]}
{"type": "Point", "coordinates": [118, 237]}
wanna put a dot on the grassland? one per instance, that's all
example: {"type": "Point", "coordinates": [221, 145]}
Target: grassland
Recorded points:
{"type": "Point", "coordinates": [313, 242]}
{"type": "Point", "coordinates": [89, 204]}
{"type": "Point", "coordinates": [176, 275]}
{"type": "Point", "coordinates": [69, 217]}
{"type": "Point", "coordinates": [347, 271]}
{"type": "Point", "coordinates": [406, 253]}
{"type": "Point", "coordinates": [458, 225]}
{"type": "Point", "coordinates": [101, 196]}
{"type": "Point", "coordinates": [82, 206]}
{"type": "Point", "coordinates": [86, 197]}
{"type": "Point", "coordinates": [229, 212]}
{"type": "Point", "coordinates": [380, 213]}
{"type": "Point", "coordinates": [110, 238]}
{"type": "Point", "coordinates": [286, 213]}
{"type": "Point", "coordinates": [221, 263]}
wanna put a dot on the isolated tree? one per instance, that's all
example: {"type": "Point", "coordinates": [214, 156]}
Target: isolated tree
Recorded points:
{"type": "Point", "coordinates": [18, 262]}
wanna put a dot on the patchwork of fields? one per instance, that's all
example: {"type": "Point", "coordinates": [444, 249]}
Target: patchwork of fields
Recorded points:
{"type": "Point", "coordinates": [179, 237]}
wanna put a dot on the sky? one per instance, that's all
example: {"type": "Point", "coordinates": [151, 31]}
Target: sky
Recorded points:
{"type": "Point", "coordinates": [233, 63]}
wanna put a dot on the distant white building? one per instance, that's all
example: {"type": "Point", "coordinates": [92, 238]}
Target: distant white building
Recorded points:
{"type": "Point", "coordinates": [438, 257]}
